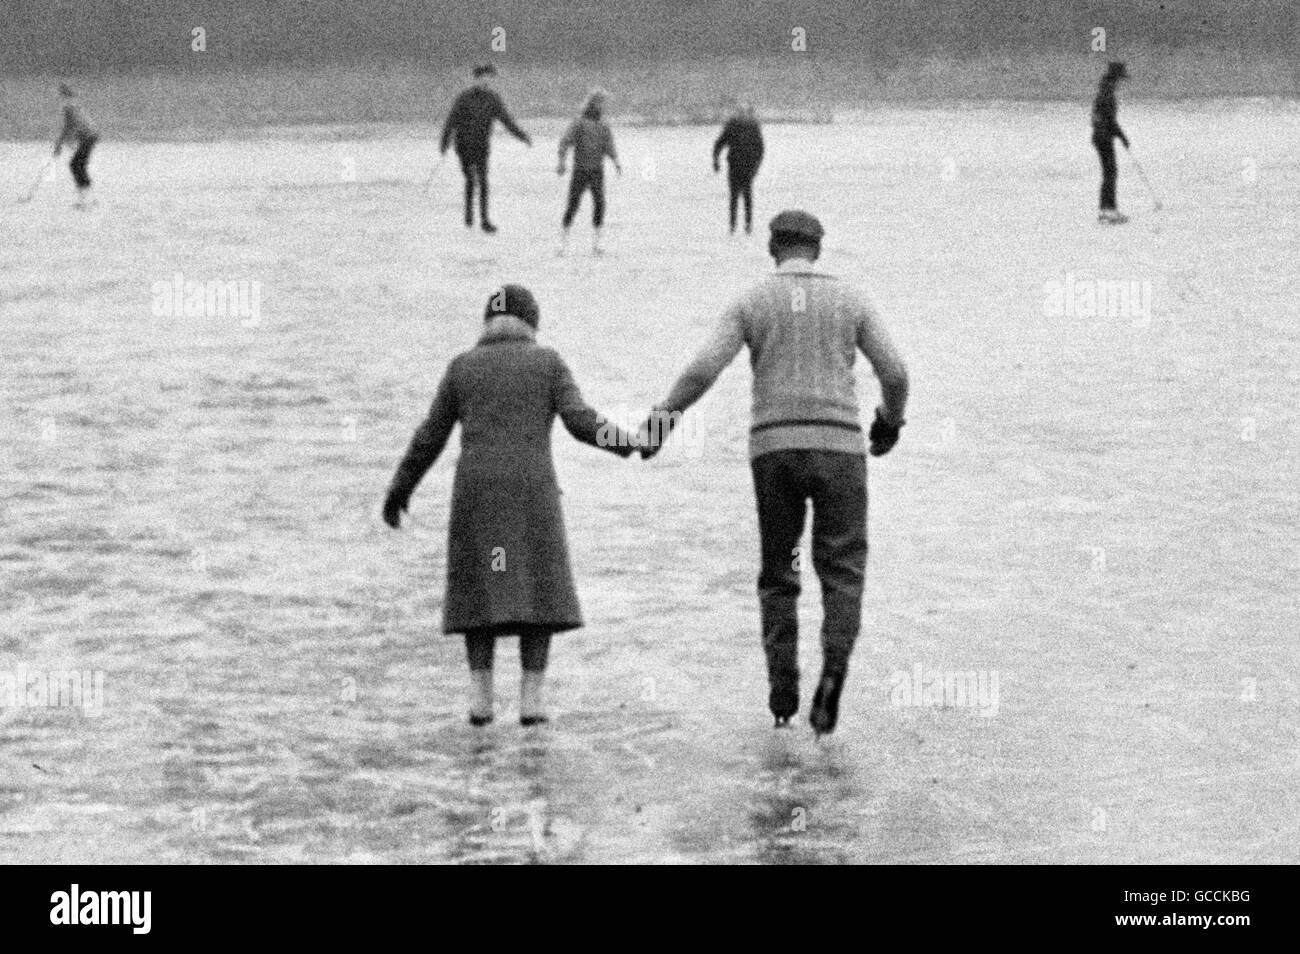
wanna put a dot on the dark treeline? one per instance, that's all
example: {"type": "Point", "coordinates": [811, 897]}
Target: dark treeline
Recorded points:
{"type": "Point", "coordinates": [87, 36]}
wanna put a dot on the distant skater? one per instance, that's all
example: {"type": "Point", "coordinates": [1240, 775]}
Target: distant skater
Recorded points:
{"type": "Point", "coordinates": [591, 140]}
{"type": "Point", "coordinates": [507, 557]}
{"type": "Point", "coordinates": [79, 130]}
{"type": "Point", "coordinates": [743, 139]}
{"type": "Point", "coordinates": [803, 328]}
{"type": "Point", "coordinates": [470, 123]}
{"type": "Point", "coordinates": [1105, 130]}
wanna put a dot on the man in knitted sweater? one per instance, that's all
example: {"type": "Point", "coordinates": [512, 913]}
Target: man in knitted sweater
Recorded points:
{"type": "Point", "coordinates": [803, 328]}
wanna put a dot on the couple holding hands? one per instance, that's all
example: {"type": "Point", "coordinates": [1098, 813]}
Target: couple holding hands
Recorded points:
{"type": "Point", "coordinates": [508, 570]}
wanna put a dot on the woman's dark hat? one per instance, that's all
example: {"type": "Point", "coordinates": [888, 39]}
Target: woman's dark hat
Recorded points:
{"type": "Point", "coordinates": [1117, 70]}
{"type": "Point", "coordinates": [513, 300]}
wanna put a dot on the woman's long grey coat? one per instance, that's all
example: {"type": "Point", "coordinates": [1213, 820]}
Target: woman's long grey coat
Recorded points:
{"type": "Point", "coordinates": [508, 557]}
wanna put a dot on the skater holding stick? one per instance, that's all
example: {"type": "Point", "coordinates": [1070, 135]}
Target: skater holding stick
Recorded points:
{"type": "Point", "coordinates": [1105, 130]}
{"type": "Point", "coordinates": [77, 129]}
{"type": "Point", "coordinates": [508, 567]}
{"type": "Point", "coordinates": [803, 328]}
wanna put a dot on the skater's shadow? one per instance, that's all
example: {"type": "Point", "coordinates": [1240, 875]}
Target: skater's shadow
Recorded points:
{"type": "Point", "coordinates": [797, 814]}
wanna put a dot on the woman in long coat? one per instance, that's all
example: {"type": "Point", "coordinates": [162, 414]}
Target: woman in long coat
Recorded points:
{"type": "Point", "coordinates": [508, 559]}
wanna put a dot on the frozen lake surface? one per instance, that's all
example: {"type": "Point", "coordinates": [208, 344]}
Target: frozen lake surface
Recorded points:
{"type": "Point", "coordinates": [1099, 511]}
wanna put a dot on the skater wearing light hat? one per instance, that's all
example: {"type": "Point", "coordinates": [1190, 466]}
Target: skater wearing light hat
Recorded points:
{"type": "Point", "coordinates": [1105, 130]}
{"type": "Point", "coordinates": [803, 328]}
{"type": "Point", "coordinates": [591, 140]}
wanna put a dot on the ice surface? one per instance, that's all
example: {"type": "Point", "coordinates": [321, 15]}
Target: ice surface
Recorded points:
{"type": "Point", "coordinates": [1099, 509]}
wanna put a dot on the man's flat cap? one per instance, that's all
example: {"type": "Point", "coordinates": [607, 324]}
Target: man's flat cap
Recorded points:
{"type": "Point", "coordinates": [513, 300]}
{"type": "Point", "coordinates": [797, 223]}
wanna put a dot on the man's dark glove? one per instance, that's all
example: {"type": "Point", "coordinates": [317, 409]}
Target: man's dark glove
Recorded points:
{"type": "Point", "coordinates": [652, 434]}
{"type": "Point", "coordinates": [883, 435]}
{"type": "Point", "coordinates": [394, 506]}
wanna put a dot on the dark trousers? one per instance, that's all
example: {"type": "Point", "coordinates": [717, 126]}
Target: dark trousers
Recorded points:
{"type": "Point", "coordinates": [534, 648]}
{"type": "Point", "coordinates": [1109, 170]}
{"type": "Point", "coordinates": [79, 160]}
{"type": "Point", "coordinates": [836, 483]}
{"type": "Point", "coordinates": [584, 179]}
{"type": "Point", "coordinates": [475, 169]}
{"type": "Point", "coordinates": [740, 183]}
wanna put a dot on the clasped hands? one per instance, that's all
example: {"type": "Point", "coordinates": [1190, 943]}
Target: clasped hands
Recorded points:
{"type": "Point", "coordinates": [649, 439]}
{"type": "Point", "coordinates": [654, 430]}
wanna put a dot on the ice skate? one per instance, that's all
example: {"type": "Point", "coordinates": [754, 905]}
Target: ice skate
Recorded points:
{"type": "Point", "coordinates": [826, 703]}
{"type": "Point", "coordinates": [783, 698]}
{"type": "Point", "coordinates": [480, 708]}
{"type": "Point", "coordinates": [531, 708]}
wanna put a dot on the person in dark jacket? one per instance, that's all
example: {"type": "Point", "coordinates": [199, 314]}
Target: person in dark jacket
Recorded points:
{"type": "Point", "coordinates": [470, 124]}
{"type": "Point", "coordinates": [591, 140]}
{"type": "Point", "coordinates": [743, 140]}
{"type": "Point", "coordinates": [508, 559]}
{"type": "Point", "coordinates": [78, 129]}
{"type": "Point", "coordinates": [1105, 130]}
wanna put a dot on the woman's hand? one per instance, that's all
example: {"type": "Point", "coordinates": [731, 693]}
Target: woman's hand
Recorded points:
{"type": "Point", "coordinates": [394, 507]}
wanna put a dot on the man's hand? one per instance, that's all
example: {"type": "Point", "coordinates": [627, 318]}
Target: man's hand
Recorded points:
{"type": "Point", "coordinates": [883, 435]}
{"type": "Point", "coordinates": [650, 436]}
{"type": "Point", "coordinates": [526, 140]}
{"type": "Point", "coordinates": [618, 168]}
{"type": "Point", "coordinates": [394, 507]}
{"type": "Point", "coordinates": [1124, 140]}
{"type": "Point", "coordinates": [559, 170]}
{"type": "Point", "coordinates": [716, 167]}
